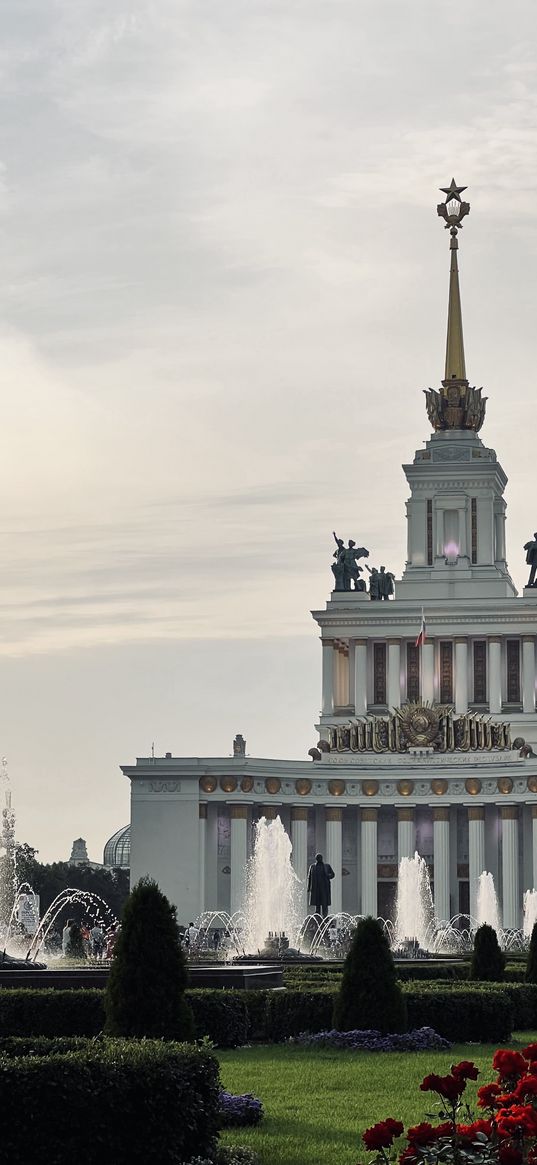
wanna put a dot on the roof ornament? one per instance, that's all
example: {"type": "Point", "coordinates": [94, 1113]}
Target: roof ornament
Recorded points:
{"type": "Point", "coordinates": [456, 405]}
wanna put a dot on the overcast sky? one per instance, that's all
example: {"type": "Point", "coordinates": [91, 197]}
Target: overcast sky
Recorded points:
{"type": "Point", "coordinates": [223, 289]}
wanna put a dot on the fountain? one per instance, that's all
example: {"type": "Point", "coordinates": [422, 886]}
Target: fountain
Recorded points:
{"type": "Point", "coordinates": [530, 913]}
{"type": "Point", "coordinates": [415, 911]}
{"type": "Point", "coordinates": [272, 891]}
{"type": "Point", "coordinates": [488, 910]}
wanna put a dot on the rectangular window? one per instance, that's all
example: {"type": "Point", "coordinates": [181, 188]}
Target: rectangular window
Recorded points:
{"type": "Point", "coordinates": [474, 531]}
{"type": "Point", "coordinates": [446, 673]}
{"type": "Point", "coordinates": [379, 673]}
{"type": "Point", "coordinates": [513, 671]}
{"type": "Point", "coordinates": [412, 672]}
{"type": "Point", "coordinates": [429, 531]}
{"type": "Point", "coordinates": [480, 672]}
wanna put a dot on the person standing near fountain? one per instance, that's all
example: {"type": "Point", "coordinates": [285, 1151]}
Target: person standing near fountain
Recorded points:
{"type": "Point", "coordinates": [320, 875]}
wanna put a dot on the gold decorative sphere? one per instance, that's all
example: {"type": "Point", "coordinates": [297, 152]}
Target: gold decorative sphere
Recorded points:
{"type": "Point", "coordinates": [247, 784]}
{"type": "Point", "coordinates": [273, 785]}
{"type": "Point", "coordinates": [303, 786]}
{"type": "Point", "coordinates": [208, 784]}
{"type": "Point", "coordinates": [370, 788]}
{"type": "Point", "coordinates": [439, 786]}
{"type": "Point", "coordinates": [472, 786]}
{"type": "Point", "coordinates": [505, 785]}
{"type": "Point", "coordinates": [228, 784]}
{"type": "Point", "coordinates": [405, 788]}
{"type": "Point", "coordinates": [532, 784]}
{"type": "Point", "coordinates": [336, 788]}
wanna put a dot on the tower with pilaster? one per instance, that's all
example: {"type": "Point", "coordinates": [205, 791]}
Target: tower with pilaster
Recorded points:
{"type": "Point", "coordinates": [427, 741]}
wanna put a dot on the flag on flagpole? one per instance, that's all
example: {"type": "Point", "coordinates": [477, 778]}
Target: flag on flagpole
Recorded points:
{"type": "Point", "coordinates": [423, 631]}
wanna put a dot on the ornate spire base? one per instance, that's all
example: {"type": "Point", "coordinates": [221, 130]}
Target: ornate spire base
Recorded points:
{"type": "Point", "coordinates": [455, 406]}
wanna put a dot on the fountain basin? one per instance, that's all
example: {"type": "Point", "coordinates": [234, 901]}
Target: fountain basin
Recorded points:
{"type": "Point", "coordinates": [245, 976]}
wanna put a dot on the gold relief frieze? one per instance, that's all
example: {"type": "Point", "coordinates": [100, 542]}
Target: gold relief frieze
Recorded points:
{"type": "Point", "coordinates": [439, 786]}
{"type": "Point", "coordinates": [228, 784]}
{"type": "Point", "coordinates": [336, 788]}
{"type": "Point", "coordinates": [418, 724]}
{"type": "Point", "coordinates": [208, 784]}
{"type": "Point", "coordinates": [532, 784]}
{"type": "Point", "coordinates": [405, 788]}
{"type": "Point", "coordinates": [472, 786]}
{"type": "Point", "coordinates": [505, 785]}
{"type": "Point", "coordinates": [247, 784]}
{"type": "Point", "coordinates": [370, 789]}
{"type": "Point", "coordinates": [273, 785]}
{"type": "Point", "coordinates": [303, 786]}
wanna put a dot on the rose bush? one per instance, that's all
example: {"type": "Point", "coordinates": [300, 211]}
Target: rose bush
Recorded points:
{"type": "Point", "coordinates": [506, 1135]}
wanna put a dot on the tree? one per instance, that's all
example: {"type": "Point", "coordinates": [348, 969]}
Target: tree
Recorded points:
{"type": "Point", "coordinates": [370, 996]}
{"type": "Point", "coordinates": [488, 961]}
{"type": "Point", "coordinates": [148, 976]}
{"type": "Point", "coordinates": [531, 965]}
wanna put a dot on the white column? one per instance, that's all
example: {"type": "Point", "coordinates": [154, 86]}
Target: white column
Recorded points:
{"type": "Point", "coordinates": [360, 677]}
{"type": "Point", "coordinates": [328, 676]}
{"type": "Point", "coordinates": [239, 828]}
{"type": "Point", "coordinates": [406, 833]}
{"type": "Point", "coordinates": [202, 848]}
{"type": "Point", "coordinates": [299, 856]}
{"type": "Point", "coordinates": [461, 675]}
{"type": "Point", "coordinates": [334, 854]}
{"type": "Point", "coordinates": [534, 843]}
{"type": "Point", "coordinates": [495, 675]}
{"type": "Point", "coordinates": [427, 677]}
{"type": "Point", "coordinates": [369, 862]}
{"type": "Point", "coordinates": [394, 673]}
{"type": "Point", "coordinates": [510, 912]}
{"type": "Point", "coordinates": [528, 673]}
{"type": "Point", "coordinates": [442, 903]}
{"type": "Point", "coordinates": [476, 851]}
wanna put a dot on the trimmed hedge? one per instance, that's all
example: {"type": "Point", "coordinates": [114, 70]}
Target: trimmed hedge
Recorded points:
{"type": "Point", "coordinates": [480, 1011]}
{"type": "Point", "coordinates": [167, 1096]}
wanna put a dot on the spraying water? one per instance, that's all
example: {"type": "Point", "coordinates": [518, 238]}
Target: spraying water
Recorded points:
{"type": "Point", "coordinates": [530, 912]}
{"type": "Point", "coordinates": [415, 909]}
{"type": "Point", "coordinates": [272, 887]}
{"type": "Point", "coordinates": [488, 910]}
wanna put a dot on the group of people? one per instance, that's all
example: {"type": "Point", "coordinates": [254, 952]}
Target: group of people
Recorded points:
{"type": "Point", "coordinates": [91, 941]}
{"type": "Point", "coordinates": [196, 939]}
{"type": "Point", "coordinates": [347, 572]}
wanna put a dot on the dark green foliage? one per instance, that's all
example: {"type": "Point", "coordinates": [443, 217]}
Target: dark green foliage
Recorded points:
{"type": "Point", "coordinates": [369, 996]}
{"type": "Point", "coordinates": [129, 1102]}
{"type": "Point", "coordinates": [488, 961]}
{"type": "Point", "coordinates": [27, 1012]}
{"type": "Point", "coordinates": [531, 965]}
{"type": "Point", "coordinates": [291, 1012]}
{"type": "Point", "coordinates": [145, 991]}
{"type": "Point", "coordinates": [48, 880]}
{"type": "Point", "coordinates": [462, 1014]}
{"type": "Point", "coordinates": [221, 1015]}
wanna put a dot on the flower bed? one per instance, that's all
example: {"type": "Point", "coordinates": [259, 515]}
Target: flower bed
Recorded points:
{"type": "Point", "coordinates": [422, 1039]}
{"type": "Point", "coordinates": [506, 1135]}
{"type": "Point", "coordinates": [238, 1111]}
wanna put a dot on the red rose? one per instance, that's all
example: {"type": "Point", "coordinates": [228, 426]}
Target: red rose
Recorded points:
{"type": "Point", "coordinates": [421, 1134]}
{"type": "Point", "coordinates": [470, 1132]}
{"type": "Point", "coordinates": [449, 1087]}
{"type": "Point", "coordinates": [530, 1052]}
{"type": "Point", "coordinates": [383, 1134]}
{"type": "Point", "coordinates": [465, 1070]}
{"type": "Point", "coordinates": [527, 1086]}
{"type": "Point", "coordinates": [508, 1155]}
{"type": "Point", "coordinates": [487, 1094]}
{"type": "Point", "coordinates": [509, 1065]}
{"type": "Point", "coordinates": [520, 1118]}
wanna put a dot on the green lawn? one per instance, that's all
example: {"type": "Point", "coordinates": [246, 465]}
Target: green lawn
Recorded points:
{"type": "Point", "coordinates": [317, 1104]}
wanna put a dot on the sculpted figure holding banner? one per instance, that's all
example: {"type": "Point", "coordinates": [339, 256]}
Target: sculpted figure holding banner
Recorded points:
{"type": "Point", "coordinates": [345, 568]}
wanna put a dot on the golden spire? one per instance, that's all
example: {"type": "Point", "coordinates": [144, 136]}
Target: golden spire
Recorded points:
{"type": "Point", "coordinates": [453, 210]}
{"type": "Point", "coordinates": [456, 405]}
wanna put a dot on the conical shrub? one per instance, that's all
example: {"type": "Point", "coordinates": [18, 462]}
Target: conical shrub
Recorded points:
{"type": "Point", "coordinates": [370, 996]}
{"type": "Point", "coordinates": [531, 965]}
{"type": "Point", "coordinates": [488, 961]}
{"type": "Point", "coordinates": [148, 976]}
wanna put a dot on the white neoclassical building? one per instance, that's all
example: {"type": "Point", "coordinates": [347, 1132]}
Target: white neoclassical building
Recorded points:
{"type": "Point", "coordinates": [426, 748]}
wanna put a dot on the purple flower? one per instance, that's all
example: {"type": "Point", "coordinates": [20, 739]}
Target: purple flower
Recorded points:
{"type": "Point", "coordinates": [422, 1039]}
{"type": "Point", "coordinates": [239, 1110]}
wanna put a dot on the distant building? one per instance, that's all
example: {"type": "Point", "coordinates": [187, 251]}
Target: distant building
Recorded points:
{"type": "Point", "coordinates": [117, 851]}
{"type": "Point", "coordinates": [79, 855]}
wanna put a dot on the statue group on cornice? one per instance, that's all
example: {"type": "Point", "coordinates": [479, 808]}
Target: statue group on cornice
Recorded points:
{"type": "Point", "coordinates": [347, 572]}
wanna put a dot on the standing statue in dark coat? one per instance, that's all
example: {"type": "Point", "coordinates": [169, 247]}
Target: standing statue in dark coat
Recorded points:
{"type": "Point", "coordinates": [531, 559]}
{"type": "Point", "coordinates": [319, 878]}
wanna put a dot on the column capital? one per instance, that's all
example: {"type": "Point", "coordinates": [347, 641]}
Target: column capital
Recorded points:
{"type": "Point", "coordinates": [406, 814]}
{"type": "Point", "coordinates": [530, 639]}
{"type": "Point", "coordinates": [299, 813]}
{"type": "Point", "coordinates": [441, 814]}
{"type": "Point", "coordinates": [476, 813]}
{"type": "Point", "coordinates": [494, 639]}
{"type": "Point", "coordinates": [463, 639]}
{"type": "Point", "coordinates": [534, 810]}
{"type": "Point", "coordinates": [239, 812]}
{"type": "Point", "coordinates": [268, 811]}
{"type": "Point", "coordinates": [360, 642]}
{"type": "Point", "coordinates": [369, 814]}
{"type": "Point", "coordinates": [509, 812]}
{"type": "Point", "coordinates": [327, 642]}
{"type": "Point", "coordinates": [202, 810]}
{"type": "Point", "coordinates": [393, 642]}
{"type": "Point", "coordinates": [331, 814]}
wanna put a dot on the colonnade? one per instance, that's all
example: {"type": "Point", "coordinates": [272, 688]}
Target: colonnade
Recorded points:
{"type": "Point", "coordinates": [347, 671]}
{"type": "Point", "coordinates": [367, 848]}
